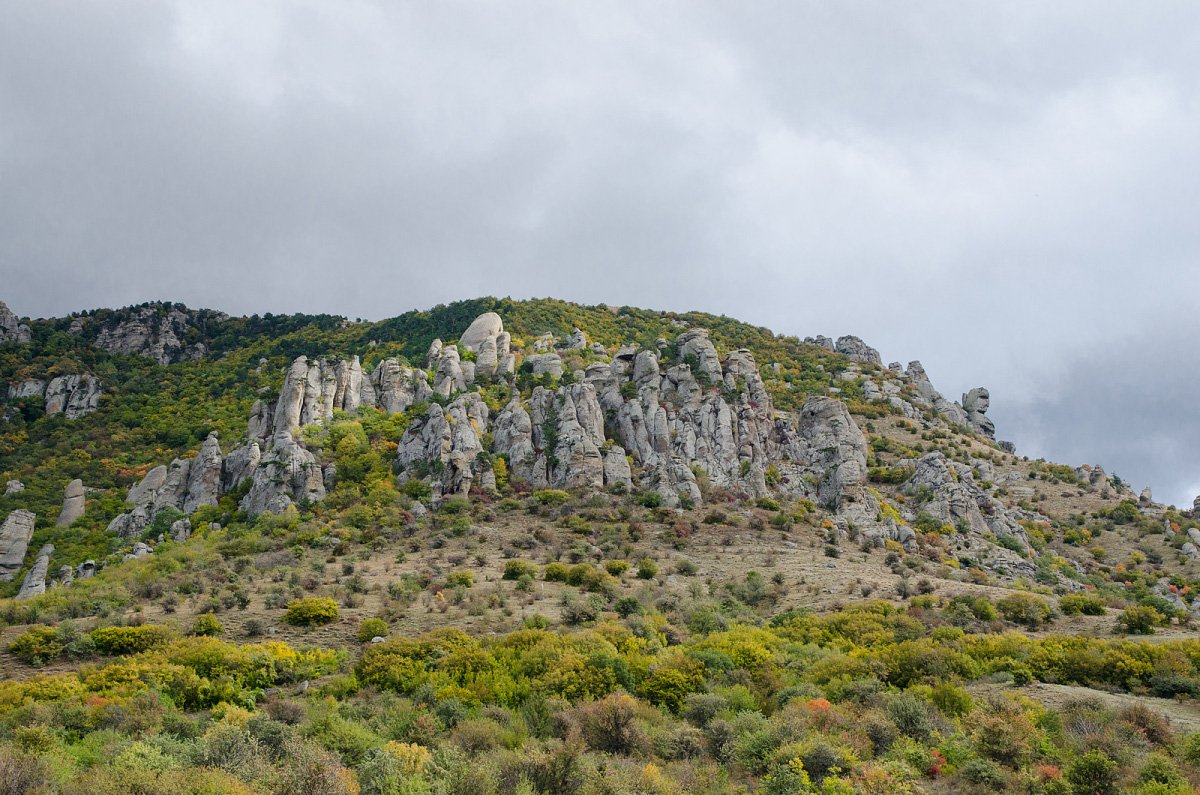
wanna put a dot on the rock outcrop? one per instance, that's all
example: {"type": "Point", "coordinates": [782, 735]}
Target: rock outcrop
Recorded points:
{"type": "Point", "coordinates": [35, 579]}
{"type": "Point", "coordinates": [286, 474]}
{"type": "Point", "coordinates": [491, 344]}
{"type": "Point", "coordinates": [74, 499]}
{"type": "Point", "coordinates": [928, 396]}
{"type": "Point", "coordinates": [15, 534]}
{"type": "Point", "coordinates": [203, 477]}
{"type": "Point", "coordinates": [444, 443]}
{"type": "Point", "coordinates": [975, 403]}
{"type": "Point", "coordinates": [12, 330]}
{"type": "Point", "coordinates": [156, 332]}
{"type": "Point", "coordinates": [673, 419]}
{"type": "Point", "coordinates": [858, 351]}
{"type": "Point", "coordinates": [13, 487]}
{"type": "Point", "coordinates": [74, 395]}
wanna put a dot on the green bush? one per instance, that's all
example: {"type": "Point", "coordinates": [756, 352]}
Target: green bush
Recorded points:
{"type": "Point", "coordinates": [647, 569]}
{"type": "Point", "coordinates": [310, 611]}
{"type": "Point", "coordinates": [1093, 774]}
{"type": "Point", "coordinates": [516, 569]}
{"type": "Point", "coordinates": [371, 628]}
{"type": "Point", "coordinates": [1081, 604]}
{"type": "Point", "coordinates": [1025, 609]}
{"type": "Point", "coordinates": [129, 640]}
{"type": "Point", "coordinates": [1140, 620]}
{"type": "Point", "coordinates": [460, 579]}
{"type": "Point", "coordinates": [37, 646]}
{"type": "Point", "coordinates": [552, 496]}
{"type": "Point", "coordinates": [650, 499]}
{"type": "Point", "coordinates": [207, 624]}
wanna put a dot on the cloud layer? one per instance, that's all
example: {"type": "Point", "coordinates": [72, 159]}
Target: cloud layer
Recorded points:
{"type": "Point", "coordinates": [1006, 192]}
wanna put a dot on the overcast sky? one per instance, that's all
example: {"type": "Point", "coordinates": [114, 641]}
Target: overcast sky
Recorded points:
{"type": "Point", "coordinates": [1006, 191]}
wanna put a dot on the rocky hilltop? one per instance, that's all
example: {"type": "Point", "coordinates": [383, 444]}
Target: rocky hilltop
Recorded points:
{"type": "Point", "coordinates": [673, 422]}
{"type": "Point", "coordinates": [507, 546]}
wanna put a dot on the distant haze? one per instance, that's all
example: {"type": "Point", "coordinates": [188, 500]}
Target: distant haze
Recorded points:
{"type": "Point", "coordinates": [1006, 191]}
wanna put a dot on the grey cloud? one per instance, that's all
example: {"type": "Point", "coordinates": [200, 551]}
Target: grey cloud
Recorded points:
{"type": "Point", "coordinates": [1006, 192]}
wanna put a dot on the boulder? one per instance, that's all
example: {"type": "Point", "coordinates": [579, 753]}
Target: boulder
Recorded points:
{"type": "Point", "coordinates": [85, 570]}
{"type": "Point", "coordinates": [541, 363]}
{"type": "Point", "coordinates": [13, 487]}
{"type": "Point", "coordinates": [952, 412]}
{"type": "Point", "coordinates": [239, 465]}
{"type": "Point", "coordinates": [35, 580]}
{"type": "Point", "coordinates": [73, 503]}
{"type": "Point", "coordinates": [15, 534]}
{"type": "Point", "coordinates": [486, 326]}
{"type": "Point", "coordinates": [74, 396]}
{"type": "Point", "coordinates": [856, 350]}
{"type": "Point", "coordinates": [694, 345]}
{"type": "Point", "coordinates": [1146, 498]}
{"type": "Point", "coordinates": [181, 530]}
{"type": "Point", "coordinates": [449, 438]}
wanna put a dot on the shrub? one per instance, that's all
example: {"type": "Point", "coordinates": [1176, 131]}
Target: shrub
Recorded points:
{"type": "Point", "coordinates": [616, 567]}
{"type": "Point", "coordinates": [37, 646]}
{"type": "Point", "coordinates": [1093, 774]}
{"type": "Point", "coordinates": [1140, 620]}
{"type": "Point", "coordinates": [310, 611]}
{"type": "Point", "coordinates": [647, 569]}
{"type": "Point", "coordinates": [417, 489]}
{"type": "Point", "coordinates": [608, 725]}
{"type": "Point", "coordinates": [1081, 604]}
{"type": "Point", "coordinates": [551, 496]}
{"type": "Point", "coordinates": [1025, 609]}
{"type": "Point", "coordinates": [555, 572]}
{"type": "Point", "coordinates": [129, 640]}
{"type": "Point", "coordinates": [516, 569]}
{"type": "Point", "coordinates": [460, 579]}
{"type": "Point", "coordinates": [207, 624]}
{"type": "Point", "coordinates": [371, 628]}
{"type": "Point", "coordinates": [650, 499]}
{"type": "Point", "coordinates": [983, 773]}
{"type": "Point", "coordinates": [627, 606]}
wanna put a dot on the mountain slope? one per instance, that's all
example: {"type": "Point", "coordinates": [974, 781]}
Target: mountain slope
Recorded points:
{"type": "Point", "coordinates": [677, 482]}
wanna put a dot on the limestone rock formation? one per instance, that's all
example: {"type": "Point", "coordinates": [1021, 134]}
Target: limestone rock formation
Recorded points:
{"type": "Point", "coordinates": [838, 450]}
{"type": "Point", "coordinates": [541, 363]}
{"type": "Point", "coordinates": [152, 331]}
{"type": "Point", "coordinates": [927, 395]}
{"type": "Point", "coordinates": [204, 476]}
{"type": "Point", "coordinates": [73, 503]}
{"type": "Point", "coordinates": [975, 403]}
{"type": "Point", "coordinates": [13, 487]}
{"type": "Point", "coordinates": [11, 328]}
{"type": "Point", "coordinates": [445, 443]}
{"type": "Point", "coordinates": [953, 496]}
{"type": "Point", "coordinates": [286, 474]}
{"type": "Point", "coordinates": [35, 580]}
{"type": "Point", "coordinates": [491, 344]}
{"type": "Point", "coordinates": [74, 395]}
{"type": "Point", "coordinates": [857, 350]}
{"type": "Point", "coordinates": [15, 534]}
